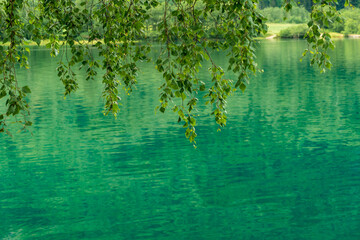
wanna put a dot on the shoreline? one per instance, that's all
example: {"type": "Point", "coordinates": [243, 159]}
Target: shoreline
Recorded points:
{"type": "Point", "coordinates": [334, 36]}
{"type": "Point", "coordinates": [272, 36]}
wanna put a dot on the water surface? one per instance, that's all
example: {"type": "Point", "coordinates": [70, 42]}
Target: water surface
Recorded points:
{"type": "Point", "coordinates": [285, 167]}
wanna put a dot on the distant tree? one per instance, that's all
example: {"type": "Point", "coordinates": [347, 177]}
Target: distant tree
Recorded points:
{"type": "Point", "coordinates": [113, 28]}
{"type": "Point", "coordinates": [343, 3]}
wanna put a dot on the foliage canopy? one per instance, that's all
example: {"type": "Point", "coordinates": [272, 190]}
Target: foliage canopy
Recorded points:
{"type": "Point", "coordinates": [188, 31]}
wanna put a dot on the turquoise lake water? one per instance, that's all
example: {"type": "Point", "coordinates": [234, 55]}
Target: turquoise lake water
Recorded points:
{"type": "Point", "coordinates": [287, 166]}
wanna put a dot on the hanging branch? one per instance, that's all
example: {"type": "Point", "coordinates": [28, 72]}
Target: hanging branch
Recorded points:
{"type": "Point", "coordinates": [115, 29]}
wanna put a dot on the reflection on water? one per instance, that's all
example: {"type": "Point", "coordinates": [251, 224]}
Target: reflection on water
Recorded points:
{"type": "Point", "coordinates": [286, 166]}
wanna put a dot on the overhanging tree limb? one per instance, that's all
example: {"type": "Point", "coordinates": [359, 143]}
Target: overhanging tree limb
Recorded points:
{"type": "Point", "coordinates": [115, 27]}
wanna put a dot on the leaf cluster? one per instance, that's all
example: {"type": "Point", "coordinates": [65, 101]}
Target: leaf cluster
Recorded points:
{"type": "Point", "coordinates": [189, 32]}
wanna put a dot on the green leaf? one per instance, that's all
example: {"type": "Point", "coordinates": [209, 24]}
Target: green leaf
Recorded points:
{"type": "Point", "coordinates": [242, 87]}
{"type": "Point", "coordinates": [2, 94]}
{"type": "Point", "coordinates": [26, 89]}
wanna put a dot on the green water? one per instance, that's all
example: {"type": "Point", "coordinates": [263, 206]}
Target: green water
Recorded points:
{"type": "Point", "coordinates": [287, 166]}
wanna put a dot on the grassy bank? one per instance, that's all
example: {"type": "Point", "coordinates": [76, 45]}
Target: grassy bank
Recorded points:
{"type": "Point", "coordinates": [275, 28]}
{"type": "Point", "coordinates": [292, 30]}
